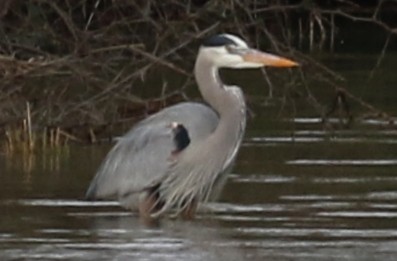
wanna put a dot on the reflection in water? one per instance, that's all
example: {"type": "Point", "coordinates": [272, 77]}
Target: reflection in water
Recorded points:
{"type": "Point", "coordinates": [50, 160]}
{"type": "Point", "coordinates": [313, 196]}
{"type": "Point", "coordinates": [377, 122]}
{"type": "Point", "coordinates": [99, 231]}
{"type": "Point", "coordinates": [327, 162]}
{"type": "Point", "coordinates": [172, 240]}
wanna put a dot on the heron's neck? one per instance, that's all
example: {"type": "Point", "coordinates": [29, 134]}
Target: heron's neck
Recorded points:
{"type": "Point", "coordinates": [229, 103]}
{"type": "Point", "coordinates": [214, 92]}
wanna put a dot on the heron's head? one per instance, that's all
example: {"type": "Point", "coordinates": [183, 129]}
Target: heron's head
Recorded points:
{"type": "Point", "coordinates": [230, 51]}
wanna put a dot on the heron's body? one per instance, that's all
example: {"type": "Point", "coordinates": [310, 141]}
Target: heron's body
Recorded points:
{"type": "Point", "coordinates": [155, 167]}
{"type": "Point", "coordinates": [147, 153]}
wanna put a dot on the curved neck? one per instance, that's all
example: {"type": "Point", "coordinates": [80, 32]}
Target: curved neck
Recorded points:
{"type": "Point", "coordinates": [214, 92]}
{"type": "Point", "coordinates": [209, 83]}
{"type": "Point", "coordinates": [228, 102]}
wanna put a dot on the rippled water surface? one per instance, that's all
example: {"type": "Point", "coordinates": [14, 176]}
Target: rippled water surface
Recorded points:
{"type": "Point", "coordinates": [306, 195]}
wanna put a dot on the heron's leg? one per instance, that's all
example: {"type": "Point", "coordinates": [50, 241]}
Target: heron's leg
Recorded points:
{"type": "Point", "coordinates": [190, 211]}
{"type": "Point", "coordinates": [150, 202]}
{"type": "Point", "coordinates": [147, 205]}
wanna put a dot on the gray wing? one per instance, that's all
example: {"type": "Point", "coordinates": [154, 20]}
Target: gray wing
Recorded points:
{"type": "Point", "coordinates": [141, 157]}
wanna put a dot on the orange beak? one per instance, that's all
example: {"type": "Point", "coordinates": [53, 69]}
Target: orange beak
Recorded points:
{"type": "Point", "coordinates": [267, 59]}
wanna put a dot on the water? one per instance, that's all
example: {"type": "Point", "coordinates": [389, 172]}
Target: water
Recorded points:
{"type": "Point", "coordinates": [301, 193]}
{"type": "Point", "coordinates": [306, 196]}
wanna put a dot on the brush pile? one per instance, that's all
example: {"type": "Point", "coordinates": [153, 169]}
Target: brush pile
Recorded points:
{"type": "Point", "coordinates": [79, 70]}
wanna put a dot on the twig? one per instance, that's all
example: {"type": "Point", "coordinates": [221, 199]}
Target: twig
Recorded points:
{"type": "Point", "coordinates": [380, 58]}
{"type": "Point", "coordinates": [29, 123]}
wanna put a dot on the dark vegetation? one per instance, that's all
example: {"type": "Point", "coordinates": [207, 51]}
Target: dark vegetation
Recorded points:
{"type": "Point", "coordinates": [80, 70]}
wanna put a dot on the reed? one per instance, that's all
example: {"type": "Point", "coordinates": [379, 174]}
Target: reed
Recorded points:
{"type": "Point", "coordinates": [23, 138]}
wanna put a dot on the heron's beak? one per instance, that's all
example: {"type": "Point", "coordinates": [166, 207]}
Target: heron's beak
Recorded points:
{"type": "Point", "coordinates": [267, 59]}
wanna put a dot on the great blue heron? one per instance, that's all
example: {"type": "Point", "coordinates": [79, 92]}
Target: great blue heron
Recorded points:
{"type": "Point", "coordinates": [172, 159]}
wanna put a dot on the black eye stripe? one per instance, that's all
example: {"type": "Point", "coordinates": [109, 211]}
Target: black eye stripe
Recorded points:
{"type": "Point", "coordinates": [218, 40]}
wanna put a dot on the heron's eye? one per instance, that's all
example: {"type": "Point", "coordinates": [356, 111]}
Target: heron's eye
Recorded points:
{"type": "Point", "coordinates": [231, 47]}
{"type": "Point", "coordinates": [234, 49]}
